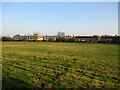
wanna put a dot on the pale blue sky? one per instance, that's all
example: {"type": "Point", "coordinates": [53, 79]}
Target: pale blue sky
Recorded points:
{"type": "Point", "coordinates": [78, 18]}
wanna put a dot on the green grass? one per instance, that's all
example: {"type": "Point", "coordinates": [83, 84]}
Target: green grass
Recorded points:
{"type": "Point", "coordinates": [59, 65]}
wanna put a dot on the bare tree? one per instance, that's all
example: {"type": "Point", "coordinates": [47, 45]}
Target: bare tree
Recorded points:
{"type": "Point", "coordinates": [60, 36]}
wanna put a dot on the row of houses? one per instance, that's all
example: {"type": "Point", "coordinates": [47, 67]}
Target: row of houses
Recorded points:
{"type": "Point", "coordinates": [104, 39]}
{"type": "Point", "coordinates": [20, 37]}
{"type": "Point", "coordinates": [32, 37]}
{"type": "Point", "coordinates": [93, 39]}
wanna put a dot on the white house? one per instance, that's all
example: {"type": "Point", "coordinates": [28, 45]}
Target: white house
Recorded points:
{"type": "Point", "coordinates": [28, 37]}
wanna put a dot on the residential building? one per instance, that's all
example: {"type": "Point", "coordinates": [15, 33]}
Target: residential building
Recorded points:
{"type": "Point", "coordinates": [20, 37]}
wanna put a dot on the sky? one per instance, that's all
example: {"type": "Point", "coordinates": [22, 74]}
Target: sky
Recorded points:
{"type": "Point", "coordinates": [72, 18]}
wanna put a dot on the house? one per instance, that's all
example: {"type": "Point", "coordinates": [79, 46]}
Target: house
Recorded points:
{"type": "Point", "coordinates": [86, 38]}
{"type": "Point", "coordinates": [106, 38]}
{"type": "Point", "coordinates": [110, 39]}
{"type": "Point", "coordinates": [18, 37]}
{"type": "Point", "coordinates": [47, 38]}
{"type": "Point", "coordinates": [21, 37]}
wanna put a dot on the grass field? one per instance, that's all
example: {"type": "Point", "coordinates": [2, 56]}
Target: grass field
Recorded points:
{"type": "Point", "coordinates": [59, 65]}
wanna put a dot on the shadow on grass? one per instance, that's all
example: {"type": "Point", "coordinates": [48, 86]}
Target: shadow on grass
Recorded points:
{"type": "Point", "coordinates": [8, 83]}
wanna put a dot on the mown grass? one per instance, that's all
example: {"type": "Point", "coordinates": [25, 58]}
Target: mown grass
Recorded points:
{"type": "Point", "coordinates": [59, 65]}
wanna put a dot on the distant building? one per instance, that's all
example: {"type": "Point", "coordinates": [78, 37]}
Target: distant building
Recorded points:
{"type": "Point", "coordinates": [86, 38]}
{"type": "Point", "coordinates": [89, 39]}
{"type": "Point", "coordinates": [106, 39]}
{"type": "Point", "coordinates": [20, 37]}
{"type": "Point", "coordinates": [46, 38]}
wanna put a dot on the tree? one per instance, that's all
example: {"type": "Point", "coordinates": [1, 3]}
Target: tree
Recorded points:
{"type": "Point", "coordinates": [7, 38]}
{"type": "Point", "coordinates": [115, 40]}
{"type": "Point", "coordinates": [24, 38]}
{"type": "Point", "coordinates": [51, 39]}
{"type": "Point", "coordinates": [61, 36]}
